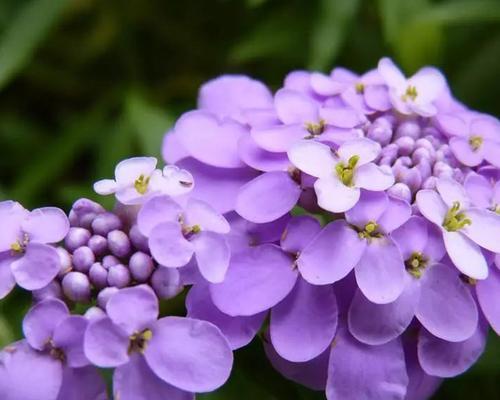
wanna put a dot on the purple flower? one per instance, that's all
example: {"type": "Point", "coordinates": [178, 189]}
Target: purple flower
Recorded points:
{"type": "Point", "coordinates": [173, 355]}
{"type": "Point", "coordinates": [175, 234]}
{"type": "Point", "coordinates": [50, 363]}
{"type": "Point", "coordinates": [415, 95]}
{"type": "Point", "coordinates": [483, 192]}
{"type": "Point", "coordinates": [465, 229]}
{"type": "Point", "coordinates": [487, 291]}
{"type": "Point", "coordinates": [342, 174]}
{"type": "Point", "coordinates": [137, 179]}
{"type": "Point", "coordinates": [474, 137]}
{"type": "Point", "coordinates": [25, 256]}
{"type": "Point", "coordinates": [433, 292]}
{"type": "Point", "coordinates": [363, 243]}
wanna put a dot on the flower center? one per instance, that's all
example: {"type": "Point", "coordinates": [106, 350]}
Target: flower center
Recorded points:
{"type": "Point", "coordinates": [475, 142]}
{"type": "Point", "coordinates": [495, 208]}
{"type": "Point", "coordinates": [370, 231]}
{"type": "Point", "coordinates": [411, 93]}
{"type": "Point", "coordinates": [455, 219]}
{"type": "Point", "coordinates": [359, 87]}
{"type": "Point", "coordinates": [314, 128]}
{"type": "Point", "coordinates": [139, 341]}
{"type": "Point", "coordinates": [141, 184]}
{"type": "Point", "coordinates": [416, 264]}
{"type": "Point", "coordinates": [19, 246]}
{"type": "Point", "coordinates": [346, 172]}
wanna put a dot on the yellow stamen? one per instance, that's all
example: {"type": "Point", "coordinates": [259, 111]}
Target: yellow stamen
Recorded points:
{"type": "Point", "coordinates": [141, 184]}
{"type": "Point", "coordinates": [411, 93]}
{"type": "Point", "coordinates": [475, 142]}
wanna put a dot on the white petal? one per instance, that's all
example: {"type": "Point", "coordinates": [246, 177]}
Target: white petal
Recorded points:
{"type": "Point", "coordinates": [372, 177]}
{"type": "Point", "coordinates": [485, 229]}
{"type": "Point", "coordinates": [431, 206]}
{"type": "Point", "coordinates": [127, 171]}
{"type": "Point", "coordinates": [391, 73]}
{"type": "Point", "coordinates": [452, 191]}
{"type": "Point", "coordinates": [105, 187]}
{"type": "Point", "coordinates": [313, 158]}
{"type": "Point", "coordinates": [334, 196]}
{"type": "Point", "coordinates": [466, 255]}
{"type": "Point", "coordinates": [367, 150]}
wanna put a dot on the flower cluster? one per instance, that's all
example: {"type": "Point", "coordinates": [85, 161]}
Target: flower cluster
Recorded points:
{"type": "Point", "coordinates": [346, 221]}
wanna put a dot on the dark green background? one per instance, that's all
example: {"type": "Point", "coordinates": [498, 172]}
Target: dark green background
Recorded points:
{"type": "Point", "coordinates": [85, 83]}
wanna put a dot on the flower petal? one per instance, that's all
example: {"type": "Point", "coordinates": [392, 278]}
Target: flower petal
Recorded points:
{"type": "Point", "coordinates": [313, 158]}
{"type": "Point", "coordinates": [168, 245]}
{"type": "Point", "coordinates": [299, 233]}
{"type": "Point", "coordinates": [37, 267]}
{"type": "Point", "coordinates": [487, 294]}
{"type": "Point", "coordinates": [304, 323]}
{"type": "Point", "coordinates": [431, 206]}
{"type": "Point", "coordinates": [446, 307]}
{"type": "Point", "coordinates": [370, 207]}
{"type": "Point", "coordinates": [372, 177]}
{"type": "Point", "coordinates": [465, 254]}
{"type": "Point", "coordinates": [464, 153]}
{"type": "Point", "coordinates": [376, 324]}
{"type": "Point", "coordinates": [381, 273]}
{"type": "Point", "coordinates": [391, 73]}
{"type": "Point", "coordinates": [7, 281]}
{"type": "Point", "coordinates": [82, 384]}
{"type": "Point", "coordinates": [133, 309]}
{"type": "Point", "coordinates": [105, 187]}
{"type": "Point", "coordinates": [294, 107]}
{"type": "Point", "coordinates": [280, 138]}
{"type": "Point", "coordinates": [260, 159]}
{"type": "Point", "coordinates": [334, 196]}
{"type": "Point", "coordinates": [212, 255]}
{"type": "Point", "coordinates": [202, 214]}
{"type": "Point", "coordinates": [484, 229]}
{"type": "Point", "coordinates": [257, 279]}
{"type": "Point", "coordinates": [411, 237]}
{"type": "Point", "coordinates": [106, 344]}
{"type": "Point", "coordinates": [136, 381]}
{"type": "Point", "coordinates": [239, 331]}
{"type": "Point", "coordinates": [68, 337]}
{"type": "Point", "coordinates": [46, 225]}
{"type": "Point", "coordinates": [366, 149]}
{"type": "Point", "coordinates": [127, 171]}
{"type": "Point", "coordinates": [41, 321]}
{"type": "Point", "coordinates": [189, 354]}
{"type": "Point", "coordinates": [321, 263]}
{"type": "Point", "coordinates": [257, 201]}
{"type": "Point", "coordinates": [155, 211]}
{"type": "Point", "coordinates": [12, 215]}
{"type": "Point", "coordinates": [451, 191]}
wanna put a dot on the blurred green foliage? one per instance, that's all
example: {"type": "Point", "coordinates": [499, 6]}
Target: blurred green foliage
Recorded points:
{"type": "Point", "coordinates": [85, 83]}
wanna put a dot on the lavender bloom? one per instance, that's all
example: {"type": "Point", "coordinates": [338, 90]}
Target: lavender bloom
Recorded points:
{"type": "Point", "coordinates": [416, 94]}
{"type": "Point", "coordinates": [175, 234]}
{"type": "Point", "coordinates": [137, 179]}
{"type": "Point", "coordinates": [50, 363]}
{"type": "Point", "coordinates": [465, 229]}
{"type": "Point", "coordinates": [26, 258]}
{"type": "Point", "coordinates": [362, 243]}
{"type": "Point", "coordinates": [341, 177]}
{"type": "Point", "coordinates": [133, 340]}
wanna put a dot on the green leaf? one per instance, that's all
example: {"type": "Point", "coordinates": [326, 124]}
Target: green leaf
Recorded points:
{"type": "Point", "coordinates": [330, 28]}
{"type": "Point", "coordinates": [26, 31]}
{"type": "Point", "coordinates": [459, 12]}
{"type": "Point", "coordinates": [149, 122]}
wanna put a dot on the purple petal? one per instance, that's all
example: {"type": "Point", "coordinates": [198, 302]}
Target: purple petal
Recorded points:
{"type": "Point", "coordinates": [366, 149]}
{"type": "Point", "coordinates": [381, 273]}
{"type": "Point", "coordinates": [37, 267]}
{"type": "Point", "coordinates": [370, 207]}
{"type": "Point", "coordinates": [464, 153]}
{"type": "Point", "coordinates": [372, 177]}
{"type": "Point", "coordinates": [304, 323]}
{"type": "Point", "coordinates": [133, 309]}
{"type": "Point", "coordinates": [487, 293]}
{"type": "Point", "coordinates": [258, 158]}
{"type": "Point", "coordinates": [223, 95]}
{"type": "Point", "coordinates": [28, 374]}
{"type": "Point", "coordinates": [106, 344]}
{"type": "Point", "coordinates": [46, 225]}
{"type": "Point", "coordinates": [41, 321]}
{"type": "Point", "coordinates": [313, 158]}
{"type": "Point", "coordinates": [396, 214]}
{"type": "Point", "coordinates": [12, 215]}
{"type": "Point", "coordinates": [172, 150]}
{"type": "Point", "coordinates": [294, 107]}
{"type": "Point", "coordinates": [155, 211]}
{"type": "Point", "coordinates": [377, 97]}
{"type": "Point", "coordinates": [278, 139]}
{"type": "Point", "coordinates": [299, 233]}
{"type": "Point", "coordinates": [411, 237]}
{"type": "Point", "coordinates": [479, 190]}
{"type": "Point", "coordinates": [491, 150]}
{"type": "Point", "coordinates": [168, 245]}
{"type": "Point", "coordinates": [431, 206]}
{"type": "Point", "coordinates": [239, 331]}
{"type": "Point", "coordinates": [217, 186]}
{"type": "Point", "coordinates": [384, 372]}
{"type": "Point", "coordinates": [321, 263]}
{"type": "Point", "coordinates": [325, 85]}
{"type": "Point", "coordinates": [465, 254]}
{"type": "Point", "coordinates": [447, 359]}
{"type": "Point", "coordinates": [257, 279]}
{"type": "Point", "coordinates": [68, 337]}
{"type": "Point", "coordinates": [377, 324]}
{"type": "Point", "coordinates": [82, 384]}
{"type": "Point", "coordinates": [209, 141]}
{"type": "Point", "coordinates": [257, 200]}
{"type": "Point", "coordinates": [446, 307]}
{"type": "Point", "coordinates": [190, 354]}
{"type": "Point", "coordinates": [312, 374]}
{"type": "Point", "coordinates": [212, 255]}
{"type": "Point", "coordinates": [7, 281]}
{"type": "Point", "coordinates": [342, 117]}
{"type": "Point", "coordinates": [390, 73]}
{"type": "Point", "coordinates": [136, 381]}
{"type": "Point", "coordinates": [202, 214]}
{"type": "Point", "coordinates": [484, 229]}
